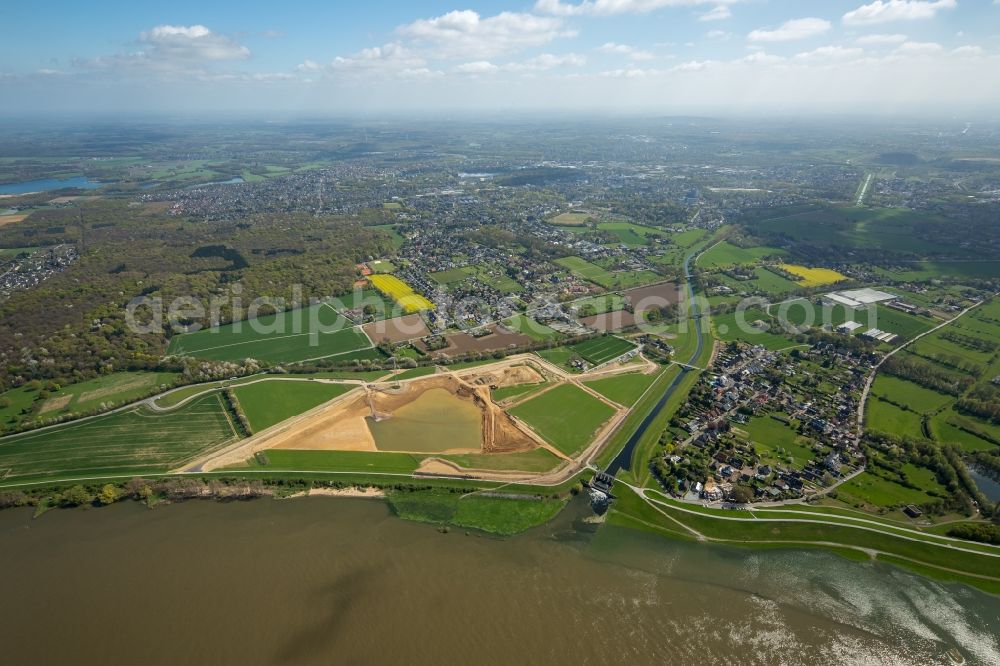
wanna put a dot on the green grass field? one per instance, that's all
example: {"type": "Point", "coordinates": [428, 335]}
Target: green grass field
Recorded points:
{"type": "Point", "coordinates": [268, 402]}
{"type": "Point", "coordinates": [115, 389]}
{"type": "Point", "coordinates": [909, 394]}
{"type": "Point", "coordinates": [547, 414]}
{"type": "Point", "coordinates": [282, 338]}
{"type": "Point", "coordinates": [876, 491]}
{"type": "Point", "coordinates": [625, 389]}
{"type": "Point", "coordinates": [489, 514]}
{"type": "Point", "coordinates": [452, 275]}
{"type": "Point", "coordinates": [728, 327]}
{"type": "Point", "coordinates": [602, 349]}
{"type": "Point", "coordinates": [600, 304]}
{"type": "Point", "coordinates": [633, 235]}
{"type": "Point", "coordinates": [538, 460]}
{"type": "Point", "coordinates": [881, 416]}
{"type": "Point", "coordinates": [605, 278]}
{"type": "Point", "coordinates": [534, 330]}
{"type": "Point", "coordinates": [778, 443]}
{"type": "Point", "coordinates": [727, 254]}
{"type": "Point", "coordinates": [339, 461]}
{"type": "Point", "coordinates": [131, 441]}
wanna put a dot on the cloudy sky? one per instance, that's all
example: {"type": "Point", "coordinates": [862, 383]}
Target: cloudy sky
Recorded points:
{"type": "Point", "coordinates": [716, 57]}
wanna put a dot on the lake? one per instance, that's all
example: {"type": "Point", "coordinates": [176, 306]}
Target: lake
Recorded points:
{"type": "Point", "coordinates": [340, 581]}
{"type": "Point", "coordinates": [47, 184]}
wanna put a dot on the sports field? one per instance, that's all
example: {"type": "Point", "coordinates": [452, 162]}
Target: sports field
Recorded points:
{"type": "Point", "coordinates": [547, 414]}
{"type": "Point", "coordinates": [571, 219]}
{"type": "Point", "coordinates": [133, 441]}
{"type": "Point", "coordinates": [601, 350]}
{"type": "Point", "coordinates": [400, 292]}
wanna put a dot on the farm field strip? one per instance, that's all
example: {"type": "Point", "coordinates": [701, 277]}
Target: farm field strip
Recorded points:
{"type": "Point", "coordinates": [132, 439]}
{"type": "Point", "coordinates": [400, 292]}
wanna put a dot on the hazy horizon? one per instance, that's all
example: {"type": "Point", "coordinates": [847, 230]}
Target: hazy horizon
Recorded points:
{"type": "Point", "coordinates": [716, 58]}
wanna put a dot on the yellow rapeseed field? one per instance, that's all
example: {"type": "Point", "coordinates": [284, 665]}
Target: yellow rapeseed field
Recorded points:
{"type": "Point", "coordinates": [812, 277]}
{"type": "Point", "coordinates": [400, 292]}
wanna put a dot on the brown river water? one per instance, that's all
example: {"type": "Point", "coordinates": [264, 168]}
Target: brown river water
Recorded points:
{"type": "Point", "coordinates": [341, 581]}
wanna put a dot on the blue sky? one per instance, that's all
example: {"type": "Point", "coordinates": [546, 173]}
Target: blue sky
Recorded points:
{"type": "Point", "coordinates": [663, 56]}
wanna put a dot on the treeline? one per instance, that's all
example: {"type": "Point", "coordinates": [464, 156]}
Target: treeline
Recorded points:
{"type": "Point", "coordinates": [981, 532]}
{"type": "Point", "coordinates": [971, 342]}
{"type": "Point", "coordinates": [235, 409]}
{"type": "Point", "coordinates": [926, 375]}
{"type": "Point", "coordinates": [945, 461]}
{"type": "Point", "coordinates": [73, 326]}
{"type": "Point", "coordinates": [983, 402]}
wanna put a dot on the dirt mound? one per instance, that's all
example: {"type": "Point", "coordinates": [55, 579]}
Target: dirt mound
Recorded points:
{"type": "Point", "coordinates": [510, 376]}
{"type": "Point", "coordinates": [343, 426]}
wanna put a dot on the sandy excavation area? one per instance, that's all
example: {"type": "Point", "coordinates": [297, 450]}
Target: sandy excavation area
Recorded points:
{"type": "Point", "coordinates": [344, 424]}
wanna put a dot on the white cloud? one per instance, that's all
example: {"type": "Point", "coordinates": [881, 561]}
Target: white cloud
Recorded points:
{"type": "Point", "coordinates": [761, 58]}
{"type": "Point", "coordinates": [791, 30]}
{"type": "Point", "coordinates": [625, 50]}
{"type": "Point", "coordinates": [693, 66]}
{"type": "Point", "coordinates": [195, 42]}
{"type": "Point", "coordinates": [610, 7]}
{"type": "Point", "coordinates": [717, 13]}
{"type": "Point", "coordinates": [831, 53]}
{"type": "Point", "coordinates": [718, 34]}
{"type": "Point", "coordinates": [477, 67]}
{"type": "Point", "coordinates": [392, 60]}
{"type": "Point", "coordinates": [465, 33]}
{"type": "Point", "coordinates": [547, 61]}
{"type": "Point", "coordinates": [881, 39]}
{"type": "Point", "coordinates": [630, 73]}
{"type": "Point", "coordinates": [539, 63]}
{"type": "Point", "coordinates": [884, 11]}
{"type": "Point", "coordinates": [919, 48]}
{"type": "Point", "coordinates": [971, 50]}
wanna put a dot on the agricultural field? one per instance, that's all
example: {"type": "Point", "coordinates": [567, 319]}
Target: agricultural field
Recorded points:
{"type": "Point", "coordinates": [813, 277]}
{"type": "Point", "coordinates": [127, 442]}
{"type": "Point", "coordinates": [401, 292]}
{"type": "Point", "coordinates": [272, 401]}
{"type": "Point", "coordinates": [43, 401]}
{"type": "Point", "coordinates": [546, 415]}
{"type": "Point", "coordinates": [599, 350]}
{"type": "Point", "coordinates": [625, 389]}
{"type": "Point", "coordinates": [727, 254]}
{"type": "Point", "coordinates": [267, 338]}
